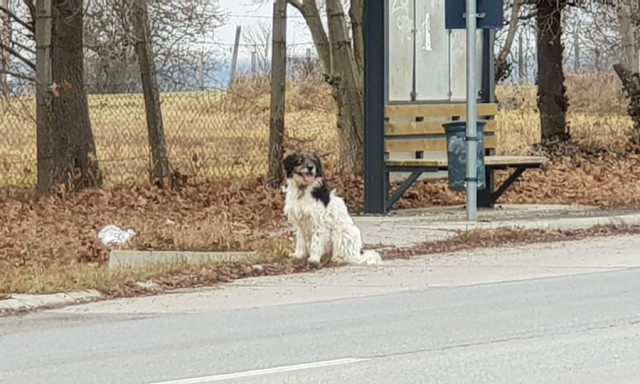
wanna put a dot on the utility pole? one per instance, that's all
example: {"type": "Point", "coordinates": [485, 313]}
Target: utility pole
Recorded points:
{"type": "Point", "coordinates": [278, 83]}
{"type": "Point", "coordinates": [234, 60]}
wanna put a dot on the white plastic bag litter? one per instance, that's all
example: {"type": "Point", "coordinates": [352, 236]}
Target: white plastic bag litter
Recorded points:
{"type": "Point", "coordinates": [112, 235]}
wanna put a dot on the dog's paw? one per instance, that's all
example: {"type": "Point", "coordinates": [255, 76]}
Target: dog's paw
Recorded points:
{"type": "Point", "coordinates": [315, 262]}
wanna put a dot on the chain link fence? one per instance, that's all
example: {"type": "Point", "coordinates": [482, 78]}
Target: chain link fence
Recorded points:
{"type": "Point", "coordinates": [212, 132]}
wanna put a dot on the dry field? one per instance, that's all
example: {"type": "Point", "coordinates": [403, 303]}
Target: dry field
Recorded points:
{"type": "Point", "coordinates": [210, 135]}
{"type": "Point", "coordinates": [220, 141]}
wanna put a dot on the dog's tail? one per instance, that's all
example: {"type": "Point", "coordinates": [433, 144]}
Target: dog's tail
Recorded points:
{"type": "Point", "coordinates": [370, 257]}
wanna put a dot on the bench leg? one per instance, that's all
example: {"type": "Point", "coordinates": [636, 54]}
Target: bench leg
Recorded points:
{"type": "Point", "coordinates": [507, 183]}
{"type": "Point", "coordinates": [484, 195]}
{"type": "Point", "coordinates": [403, 188]}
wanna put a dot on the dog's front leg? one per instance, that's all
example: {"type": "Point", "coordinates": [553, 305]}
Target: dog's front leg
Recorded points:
{"type": "Point", "coordinates": [302, 248]}
{"type": "Point", "coordinates": [320, 239]}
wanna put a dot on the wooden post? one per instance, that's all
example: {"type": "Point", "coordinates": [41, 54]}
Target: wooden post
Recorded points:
{"type": "Point", "coordinates": [278, 85]}
{"type": "Point", "coordinates": [6, 40]}
{"type": "Point", "coordinates": [45, 157]}
{"type": "Point", "coordinates": [161, 171]}
{"type": "Point", "coordinates": [254, 63]}
{"type": "Point", "coordinates": [234, 60]}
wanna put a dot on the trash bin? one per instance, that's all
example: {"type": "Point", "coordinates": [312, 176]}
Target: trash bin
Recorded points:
{"type": "Point", "coordinates": [457, 154]}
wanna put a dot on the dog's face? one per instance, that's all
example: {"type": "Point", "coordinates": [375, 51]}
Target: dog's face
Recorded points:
{"type": "Point", "coordinates": [303, 168]}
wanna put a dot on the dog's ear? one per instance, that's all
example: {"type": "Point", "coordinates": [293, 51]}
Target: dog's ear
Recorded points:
{"type": "Point", "coordinates": [319, 170]}
{"type": "Point", "coordinates": [289, 163]}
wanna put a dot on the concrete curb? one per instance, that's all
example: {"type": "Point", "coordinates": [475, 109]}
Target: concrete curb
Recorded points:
{"type": "Point", "coordinates": [573, 223]}
{"type": "Point", "coordinates": [138, 259]}
{"type": "Point", "coordinates": [22, 303]}
{"type": "Point", "coordinates": [414, 230]}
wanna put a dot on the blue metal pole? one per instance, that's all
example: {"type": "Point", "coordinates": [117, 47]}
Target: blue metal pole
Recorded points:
{"type": "Point", "coordinates": [374, 99]}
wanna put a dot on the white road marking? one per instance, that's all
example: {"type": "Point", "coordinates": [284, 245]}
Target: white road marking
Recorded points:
{"type": "Point", "coordinates": [262, 372]}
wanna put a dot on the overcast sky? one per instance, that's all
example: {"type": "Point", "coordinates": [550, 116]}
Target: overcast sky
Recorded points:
{"type": "Point", "coordinates": [248, 14]}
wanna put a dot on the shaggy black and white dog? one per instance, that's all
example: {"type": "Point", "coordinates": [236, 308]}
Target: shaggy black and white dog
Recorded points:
{"type": "Point", "coordinates": [319, 216]}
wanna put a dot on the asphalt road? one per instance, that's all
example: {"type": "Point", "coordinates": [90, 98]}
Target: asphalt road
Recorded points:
{"type": "Point", "coordinates": [582, 328]}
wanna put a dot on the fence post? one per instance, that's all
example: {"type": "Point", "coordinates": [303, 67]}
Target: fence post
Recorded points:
{"type": "Point", "coordinates": [234, 60]}
{"type": "Point", "coordinates": [43, 95]}
{"type": "Point", "coordinates": [278, 85]}
{"type": "Point", "coordinates": [254, 63]}
{"type": "Point", "coordinates": [161, 168]}
{"type": "Point", "coordinates": [6, 41]}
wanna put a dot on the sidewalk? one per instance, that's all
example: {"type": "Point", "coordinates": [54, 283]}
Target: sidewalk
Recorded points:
{"type": "Point", "coordinates": [404, 229]}
{"type": "Point", "coordinates": [414, 226]}
{"type": "Point", "coordinates": [449, 270]}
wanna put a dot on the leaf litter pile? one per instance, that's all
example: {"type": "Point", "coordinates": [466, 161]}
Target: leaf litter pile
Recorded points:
{"type": "Point", "coordinates": [51, 245]}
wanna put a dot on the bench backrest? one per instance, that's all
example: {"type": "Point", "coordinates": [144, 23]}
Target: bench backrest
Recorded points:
{"type": "Point", "coordinates": [418, 128]}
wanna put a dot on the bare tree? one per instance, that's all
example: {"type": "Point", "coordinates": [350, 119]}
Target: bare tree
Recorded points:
{"type": "Point", "coordinates": [552, 98]}
{"type": "Point", "coordinates": [67, 159]}
{"type": "Point", "coordinates": [176, 26]}
{"type": "Point", "coordinates": [503, 66]}
{"type": "Point", "coordinates": [340, 47]}
{"type": "Point", "coordinates": [628, 68]}
{"type": "Point", "coordinates": [258, 38]}
{"type": "Point", "coordinates": [629, 25]}
{"type": "Point", "coordinates": [74, 163]}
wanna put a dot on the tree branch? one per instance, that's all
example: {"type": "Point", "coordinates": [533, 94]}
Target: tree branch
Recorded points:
{"type": "Point", "coordinates": [297, 4]}
{"type": "Point", "coordinates": [309, 10]}
{"type": "Point", "coordinates": [22, 46]}
{"type": "Point", "coordinates": [18, 75]}
{"type": "Point", "coordinates": [30, 4]}
{"type": "Point", "coordinates": [356, 15]}
{"type": "Point", "coordinates": [18, 55]}
{"type": "Point", "coordinates": [502, 67]}
{"type": "Point", "coordinates": [15, 17]}
{"type": "Point", "coordinates": [528, 16]}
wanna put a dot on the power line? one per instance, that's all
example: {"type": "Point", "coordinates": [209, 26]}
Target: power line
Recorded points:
{"type": "Point", "coordinates": [249, 45]}
{"type": "Point", "coordinates": [235, 16]}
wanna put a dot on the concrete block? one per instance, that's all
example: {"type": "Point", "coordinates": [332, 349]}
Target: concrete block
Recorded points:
{"type": "Point", "coordinates": [137, 259]}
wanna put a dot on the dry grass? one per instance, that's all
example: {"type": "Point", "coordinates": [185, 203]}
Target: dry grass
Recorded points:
{"type": "Point", "coordinates": [210, 135]}
{"type": "Point", "coordinates": [213, 135]}
{"type": "Point", "coordinates": [597, 114]}
{"type": "Point", "coordinates": [123, 283]}
{"type": "Point", "coordinates": [49, 245]}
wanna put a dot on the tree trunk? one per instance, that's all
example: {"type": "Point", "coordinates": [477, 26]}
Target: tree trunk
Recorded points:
{"type": "Point", "coordinates": [351, 128]}
{"type": "Point", "coordinates": [631, 84]}
{"type": "Point", "coordinates": [348, 87]}
{"type": "Point", "coordinates": [160, 170]}
{"type": "Point", "coordinates": [278, 87]}
{"type": "Point", "coordinates": [74, 163]}
{"type": "Point", "coordinates": [552, 99]}
{"type": "Point", "coordinates": [626, 12]}
{"type": "Point", "coordinates": [342, 62]}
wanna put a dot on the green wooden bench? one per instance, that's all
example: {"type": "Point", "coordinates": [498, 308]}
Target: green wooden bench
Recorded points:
{"type": "Point", "coordinates": [418, 129]}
